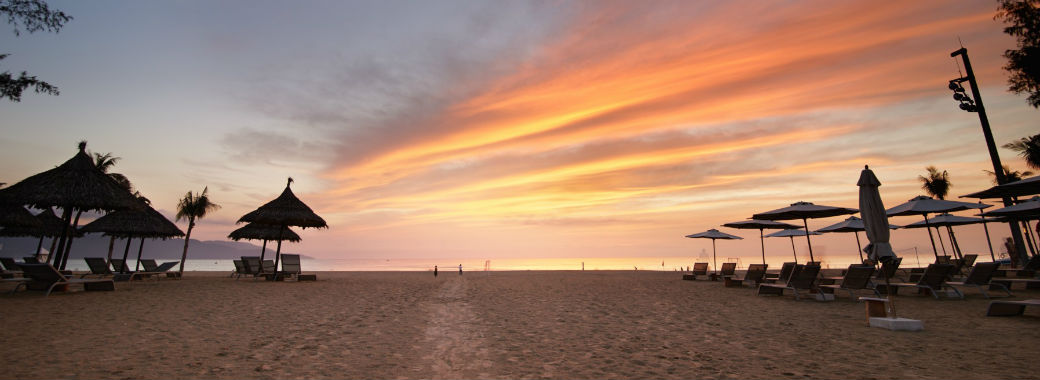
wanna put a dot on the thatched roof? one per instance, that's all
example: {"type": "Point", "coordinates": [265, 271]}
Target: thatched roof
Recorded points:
{"type": "Point", "coordinates": [143, 222]}
{"type": "Point", "coordinates": [257, 231]}
{"type": "Point", "coordinates": [77, 183]}
{"type": "Point", "coordinates": [17, 216]}
{"type": "Point", "coordinates": [286, 210]}
{"type": "Point", "coordinates": [50, 225]}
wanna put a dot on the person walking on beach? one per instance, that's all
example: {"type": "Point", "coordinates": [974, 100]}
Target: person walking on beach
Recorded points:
{"type": "Point", "coordinates": [460, 269]}
{"type": "Point", "coordinates": [434, 271]}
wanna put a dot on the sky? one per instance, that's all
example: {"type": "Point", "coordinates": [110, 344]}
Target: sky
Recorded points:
{"type": "Point", "coordinates": [520, 129]}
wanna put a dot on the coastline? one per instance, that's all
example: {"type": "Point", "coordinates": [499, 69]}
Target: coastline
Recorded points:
{"type": "Point", "coordinates": [502, 324]}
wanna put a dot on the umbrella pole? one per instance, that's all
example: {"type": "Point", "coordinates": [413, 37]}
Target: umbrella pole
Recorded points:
{"type": "Point", "coordinates": [68, 244]}
{"type": "Point", "coordinates": [111, 245]}
{"type": "Point", "coordinates": [953, 243]}
{"type": "Point", "coordinates": [928, 227]}
{"type": "Point", "coordinates": [126, 252]}
{"type": "Point", "coordinates": [762, 238]}
{"type": "Point", "coordinates": [859, 246]}
{"type": "Point", "coordinates": [1029, 237]}
{"type": "Point", "coordinates": [263, 251]}
{"type": "Point", "coordinates": [793, 252]}
{"type": "Point", "coordinates": [941, 244]}
{"type": "Point", "coordinates": [714, 261]}
{"type": "Point", "coordinates": [989, 243]}
{"type": "Point", "coordinates": [278, 252]}
{"type": "Point", "coordinates": [805, 223]}
{"type": "Point", "coordinates": [66, 219]}
{"type": "Point", "coordinates": [139, 249]}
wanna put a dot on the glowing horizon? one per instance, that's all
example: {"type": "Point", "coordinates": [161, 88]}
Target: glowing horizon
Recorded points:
{"type": "Point", "coordinates": [581, 129]}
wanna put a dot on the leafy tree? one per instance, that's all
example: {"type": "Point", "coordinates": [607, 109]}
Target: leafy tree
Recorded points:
{"type": "Point", "coordinates": [937, 184]}
{"type": "Point", "coordinates": [1028, 148]}
{"type": "Point", "coordinates": [1010, 175]}
{"type": "Point", "coordinates": [30, 16]}
{"type": "Point", "coordinates": [1023, 22]}
{"type": "Point", "coordinates": [193, 206]}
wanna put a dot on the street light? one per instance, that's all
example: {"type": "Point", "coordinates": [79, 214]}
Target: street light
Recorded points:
{"type": "Point", "coordinates": [959, 95]}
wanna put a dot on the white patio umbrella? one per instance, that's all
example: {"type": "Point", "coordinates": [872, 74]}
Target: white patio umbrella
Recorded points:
{"type": "Point", "coordinates": [854, 225]}
{"type": "Point", "coordinates": [714, 234]}
{"type": "Point", "coordinates": [875, 221]}
{"type": "Point", "coordinates": [761, 225]}
{"type": "Point", "coordinates": [804, 211]}
{"type": "Point", "coordinates": [791, 234]}
{"type": "Point", "coordinates": [923, 205]}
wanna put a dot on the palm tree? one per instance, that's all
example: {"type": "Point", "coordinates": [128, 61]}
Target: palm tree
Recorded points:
{"type": "Point", "coordinates": [193, 206]}
{"type": "Point", "coordinates": [105, 162]}
{"type": "Point", "coordinates": [1009, 175]}
{"type": "Point", "coordinates": [937, 184]}
{"type": "Point", "coordinates": [1028, 148]}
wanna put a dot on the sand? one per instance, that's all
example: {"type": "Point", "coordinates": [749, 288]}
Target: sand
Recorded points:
{"type": "Point", "coordinates": [505, 325]}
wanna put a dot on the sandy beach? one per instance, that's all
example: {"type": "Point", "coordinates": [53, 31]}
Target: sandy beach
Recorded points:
{"type": "Point", "coordinates": [552, 324]}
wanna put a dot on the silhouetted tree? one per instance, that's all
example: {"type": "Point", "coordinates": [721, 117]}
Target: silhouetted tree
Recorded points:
{"type": "Point", "coordinates": [937, 184]}
{"type": "Point", "coordinates": [1010, 175]}
{"type": "Point", "coordinates": [1023, 19]}
{"type": "Point", "coordinates": [1028, 148]}
{"type": "Point", "coordinates": [30, 16]}
{"type": "Point", "coordinates": [193, 206]}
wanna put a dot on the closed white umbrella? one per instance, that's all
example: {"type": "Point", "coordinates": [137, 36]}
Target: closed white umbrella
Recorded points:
{"type": "Point", "coordinates": [761, 225]}
{"type": "Point", "coordinates": [791, 234]}
{"type": "Point", "coordinates": [804, 211]}
{"type": "Point", "coordinates": [875, 220]}
{"type": "Point", "coordinates": [714, 234]}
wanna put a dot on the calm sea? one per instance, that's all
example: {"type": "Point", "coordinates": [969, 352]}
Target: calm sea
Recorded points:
{"type": "Point", "coordinates": [500, 264]}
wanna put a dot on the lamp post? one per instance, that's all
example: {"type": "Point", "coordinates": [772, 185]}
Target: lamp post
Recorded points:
{"type": "Point", "coordinates": [974, 104]}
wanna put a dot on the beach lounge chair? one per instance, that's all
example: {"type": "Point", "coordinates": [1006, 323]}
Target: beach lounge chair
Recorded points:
{"type": "Point", "coordinates": [269, 266]}
{"type": "Point", "coordinates": [123, 273]}
{"type": "Point", "coordinates": [889, 269]}
{"type": "Point", "coordinates": [857, 277]}
{"type": "Point", "coordinates": [45, 277]}
{"type": "Point", "coordinates": [1003, 308]}
{"type": "Point", "coordinates": [11, 268]}
{"type": "Point", "coordinates": [151, 266]}
{"type": "Point", "coordinates": [97, 266]}
{"type": "Point", "coordinates": [699, 269]}
{"type": "Point", "coordinates": [240, 269]}
{"type": "Point", "coordinates": [31, 260]}
{"type": "Point", "coordinates": [754, 276]}
{"type": "Point", "coordinates": [784, 275]}
{"type": "Point", "coordinates": [291, 268]}
{"type": "Point", "coordinates": [728, 269]}
{"type": "Point", "coordinates": [982, 275]}
{"type": "Point", "coordinates": [803, 277]}
{"type": "Point", "coordinates": [932, 280]}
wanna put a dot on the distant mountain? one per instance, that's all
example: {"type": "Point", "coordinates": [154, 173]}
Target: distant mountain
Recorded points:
{"type": "Point", "coordinates": [97, 246]}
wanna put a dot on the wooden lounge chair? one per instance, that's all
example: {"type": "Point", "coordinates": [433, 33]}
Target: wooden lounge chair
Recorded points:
{"type": "Point", "coordinates": [728, 269]}
{"type": "Point", "coordinates": [151, 266]}
{"type": "Point", "coordinates": [240, 269]}
{"type": "Point", "coordinates": [45, 277]}
{"type": "Point", "coordinates": [11, 268]}
{"type": "Point", "coordinates": [291, 268]}
{"type": "Point", "coordinates": [982, 275]}
{"type": "Point", "coordinates": [754, 275]}
{"type": "Point", "coordinates": [803, 277]}
{"type": "Point", "coordinates": [857, 277]}
{"type": "Point", "coordinates": [123, 273]}
{"type": "Point", "coordinates": [785, 273]}
{"type": "Point", "coordinates": [98, 267]}
{"type": "Point", "coordinates": [932, 280]}
{"type": "Point", "coordinates": [699, 269]}
{"type": "Point", "coordinates": [1003, 308]}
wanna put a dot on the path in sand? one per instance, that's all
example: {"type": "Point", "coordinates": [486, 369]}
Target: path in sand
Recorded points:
{"type": "Point", "coordinates": [454, 335]}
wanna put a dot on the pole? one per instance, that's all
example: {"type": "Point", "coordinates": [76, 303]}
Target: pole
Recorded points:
{"type": "Point", "coordinates": [762, 238]}
{"type": "Point", "coordinates": [998, 169]}
{"type": "Point", "coordinates": [989, 243]}
{"type": "Point", "coordinates": [795, 253]}
{"type": "Point", "coordinates": [859, 245]}
{"type": "Point", "coordinates": [805, 223]}
{"type": "Point", "coordinates": [929, 228]}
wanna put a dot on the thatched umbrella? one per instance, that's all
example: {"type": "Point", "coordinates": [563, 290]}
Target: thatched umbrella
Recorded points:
{"type": "Point", "coordinates": [284, 211]}
{"type": "Point", "coordinates": [74, 186]}
{"type": "Point", "coordinates": [144, 223]}
{"type": "Point", "coordinates": [49, 226]}
{"type": "Point", "coordinates": [13, 215]}
{"type": "Point", "coordinates": [265, 232]}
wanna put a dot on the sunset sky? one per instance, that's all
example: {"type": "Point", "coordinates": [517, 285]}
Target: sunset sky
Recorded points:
{"type": "Point", "coordinates": [486, 129]}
